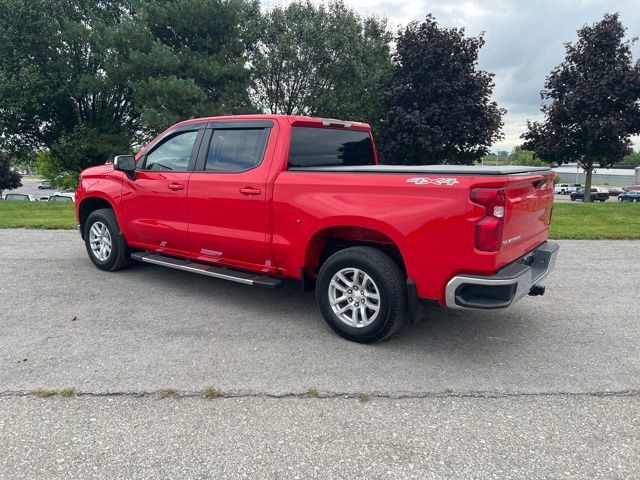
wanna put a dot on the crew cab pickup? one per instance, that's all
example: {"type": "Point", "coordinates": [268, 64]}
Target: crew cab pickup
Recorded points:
{"type": "Point", "coordinates": [263, 198]}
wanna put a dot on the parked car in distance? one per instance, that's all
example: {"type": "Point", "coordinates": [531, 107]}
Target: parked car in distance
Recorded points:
{"type": "Point", "coordinates": [69, 195]}
{"type": "Point", "coordinates": [20, 197]}
{"type": "Point", "coordinates": [566, 188]}
{"type": "Point", "coordinates": [60, 198]}
{"type": "Point", "coordinates": [632, 188]}
{"type": "Point", "coordinates": [597, 194]}
{"type": "Point", "coordinates": [46, 185]}
{"type": "Point", "coordinates": [614, 191]}
{"type": "Point", "coordinates": [630, 196]}
{"type": "Point", "coordinates": [257, 199]}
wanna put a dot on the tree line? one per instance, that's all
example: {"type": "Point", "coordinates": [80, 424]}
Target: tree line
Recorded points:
{"type": "Point", "coordinates": [84, 80]}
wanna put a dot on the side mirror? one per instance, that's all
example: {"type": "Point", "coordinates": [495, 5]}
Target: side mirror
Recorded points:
{"type": "Point", "coordinates": [125, 163]}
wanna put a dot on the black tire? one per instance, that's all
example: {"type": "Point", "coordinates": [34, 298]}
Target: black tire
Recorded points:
{"type": "Point", "coordinates": [388, 279]}
{"type": "Point", "coordinates": [119, 256]}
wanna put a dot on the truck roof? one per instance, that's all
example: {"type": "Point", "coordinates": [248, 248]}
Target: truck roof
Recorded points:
{"type": "Point", "coordinates": [294, 120]}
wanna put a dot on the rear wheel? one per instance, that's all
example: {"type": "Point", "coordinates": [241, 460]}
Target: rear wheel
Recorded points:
{"type": "Point", "coordinates": [361, 293]}
{"type": "Point", "coordinates": [105, 244]}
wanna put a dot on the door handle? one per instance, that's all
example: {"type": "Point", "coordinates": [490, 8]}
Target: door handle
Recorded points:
{"type": "Point", "coordinates": [250, 191]}
{"type": "Point", "coordinates": [176, 186]}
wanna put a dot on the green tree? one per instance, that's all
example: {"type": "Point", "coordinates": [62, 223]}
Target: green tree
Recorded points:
{"type": "Point", "coordinates": [594, 101]}
{"type": "Point", "coordinates": [321, 60]}
{"type": "Point", "coordinates": [85, 79]}
{"type": "Point", "coordinates": [633, 159]}
{"type": "Point", "coordinates": [59, 81]}
{"type": "Point", "coordinates": [525, 157]}
{"type": "Point", "coordinates": [190, 59]}
{"type": "Point", "coordinates": [439, 106]}
{"type": "Point", "coordinates": [9, 179]}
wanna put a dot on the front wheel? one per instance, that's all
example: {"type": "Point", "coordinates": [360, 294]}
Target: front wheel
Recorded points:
{"type": "Point", "coordinates": [361, 293]}
{"type": "Point", "coordinates": [105, 245]}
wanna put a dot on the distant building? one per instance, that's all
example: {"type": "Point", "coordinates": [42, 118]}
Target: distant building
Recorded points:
{"type": "Point", "coordinates": [620, 177]}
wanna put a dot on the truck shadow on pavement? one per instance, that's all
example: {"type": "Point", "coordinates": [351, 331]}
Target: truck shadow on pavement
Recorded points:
{"type": "Point", "coordinates": [288, 311]}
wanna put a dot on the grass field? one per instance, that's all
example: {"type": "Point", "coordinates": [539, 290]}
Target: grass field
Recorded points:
{"type": "Point", "coordinates": [36, 215]}
{"type": "Point", "coordinates": [596, 221]}
{"type": "Point", "coordinates": [570, 220]}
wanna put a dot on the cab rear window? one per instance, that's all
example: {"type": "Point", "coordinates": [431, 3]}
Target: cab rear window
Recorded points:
{"type": "Point", "coordinates": [327, 147]}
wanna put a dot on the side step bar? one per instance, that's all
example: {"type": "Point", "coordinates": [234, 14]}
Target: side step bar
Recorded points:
{"type": "Point", "coordinates": [239, 276]}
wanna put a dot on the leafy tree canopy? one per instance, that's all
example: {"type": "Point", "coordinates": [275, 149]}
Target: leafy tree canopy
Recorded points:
{"type": "Point", "coordinates": [439, 106]}
{"type": "Point", "coordinates": [9, 179]}
{"type": "Point", "coordinates": [593, 101]}
{"type": "Point", "coordinates": [59, 80]}
{"type": "Point", "coordinates": [190, 60]}
{"type": "Point", "coordinates": [86, 78]}
{"type": "Point", "coordinates": [633, 159]}
{"type": "Point", "coordinates": [321, 60]}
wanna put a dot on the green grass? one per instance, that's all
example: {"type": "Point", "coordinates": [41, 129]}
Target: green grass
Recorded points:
{"type": "Point", "coordinates": [570, 220]}
{"type": "Point", "coordinates": [592, 221]}
{"type": "Point", "coordinates": [36, 215]}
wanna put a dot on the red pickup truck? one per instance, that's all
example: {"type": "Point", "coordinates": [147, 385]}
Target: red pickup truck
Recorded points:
{"type": "Point", "coordinates": [261, 198]}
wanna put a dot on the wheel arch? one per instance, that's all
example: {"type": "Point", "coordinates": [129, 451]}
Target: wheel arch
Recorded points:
{"type": "Point", "coordinates": [330, 239]}
{"type": "Point", "coordinates": [89, 205]}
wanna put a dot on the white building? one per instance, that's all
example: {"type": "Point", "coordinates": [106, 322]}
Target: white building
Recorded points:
{"type": "Point", "coordinates": [620, 177]}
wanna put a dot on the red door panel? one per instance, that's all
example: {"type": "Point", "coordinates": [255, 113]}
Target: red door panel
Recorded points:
{"type": "Point", "coordinates": [154, 208]}
{"type": "Point", "coordinates": [154, 200]}
{"type": "Point", "coordinates": [227, 198]}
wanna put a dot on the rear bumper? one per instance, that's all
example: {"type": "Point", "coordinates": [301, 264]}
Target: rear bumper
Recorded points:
{"type": "Point", "coordinates": [508, 285]}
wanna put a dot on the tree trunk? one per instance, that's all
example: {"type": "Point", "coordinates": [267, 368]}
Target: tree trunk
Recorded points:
{"type": "Point", "coordinates": [587, 182]}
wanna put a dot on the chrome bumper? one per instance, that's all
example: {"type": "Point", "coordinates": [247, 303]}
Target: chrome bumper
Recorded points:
{"type": "Point", "coordinates": [510, 284]}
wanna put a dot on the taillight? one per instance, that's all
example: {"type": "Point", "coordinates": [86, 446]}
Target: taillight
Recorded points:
{"type": "Point", "coordinates": [489, 229]}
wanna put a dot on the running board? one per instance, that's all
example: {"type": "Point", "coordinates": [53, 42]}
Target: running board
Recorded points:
{"type": "Point", "coordinates": [239, 276]}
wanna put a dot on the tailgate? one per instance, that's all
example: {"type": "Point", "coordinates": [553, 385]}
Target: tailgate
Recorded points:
{"type": "Point", "coordinates": [527, 215]}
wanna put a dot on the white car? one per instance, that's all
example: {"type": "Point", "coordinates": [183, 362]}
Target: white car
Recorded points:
{"type": "Point", "coordinates": [70, 195]}
{"type": "Point", "coordinates": [20, 197]}
{"type": "Point", "coordinates": [562, 189]}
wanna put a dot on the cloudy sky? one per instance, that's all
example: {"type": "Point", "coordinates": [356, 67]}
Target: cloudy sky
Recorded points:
{"type": "Point", "coordinates": [524, 40]}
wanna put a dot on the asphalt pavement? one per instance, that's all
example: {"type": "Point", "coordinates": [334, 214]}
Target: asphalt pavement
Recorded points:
{"type": "Point", "coordinates": [548, 388]}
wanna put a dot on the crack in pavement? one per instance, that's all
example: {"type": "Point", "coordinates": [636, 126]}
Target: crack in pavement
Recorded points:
{"type": "Point", "coordinates": [168, 393]}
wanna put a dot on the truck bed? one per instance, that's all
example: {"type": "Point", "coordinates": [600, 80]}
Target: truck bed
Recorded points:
{"type": "Point", "coordinates": [478, 170]}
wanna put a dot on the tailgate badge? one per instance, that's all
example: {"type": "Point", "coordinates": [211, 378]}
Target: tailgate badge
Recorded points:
{"type": "Point", "coordinates": [511, 240]}
{"type": "Point", "coordinates": [433, 181]}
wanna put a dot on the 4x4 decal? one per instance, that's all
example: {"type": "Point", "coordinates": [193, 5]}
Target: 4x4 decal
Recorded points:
{"type": "Point", "coordinates": [433, 181]}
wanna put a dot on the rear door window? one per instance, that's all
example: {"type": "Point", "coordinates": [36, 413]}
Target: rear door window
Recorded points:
{"type": "Point", "coordinates": [327, 147]}
{"type": "Point", "coordinates": [236, 150]}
